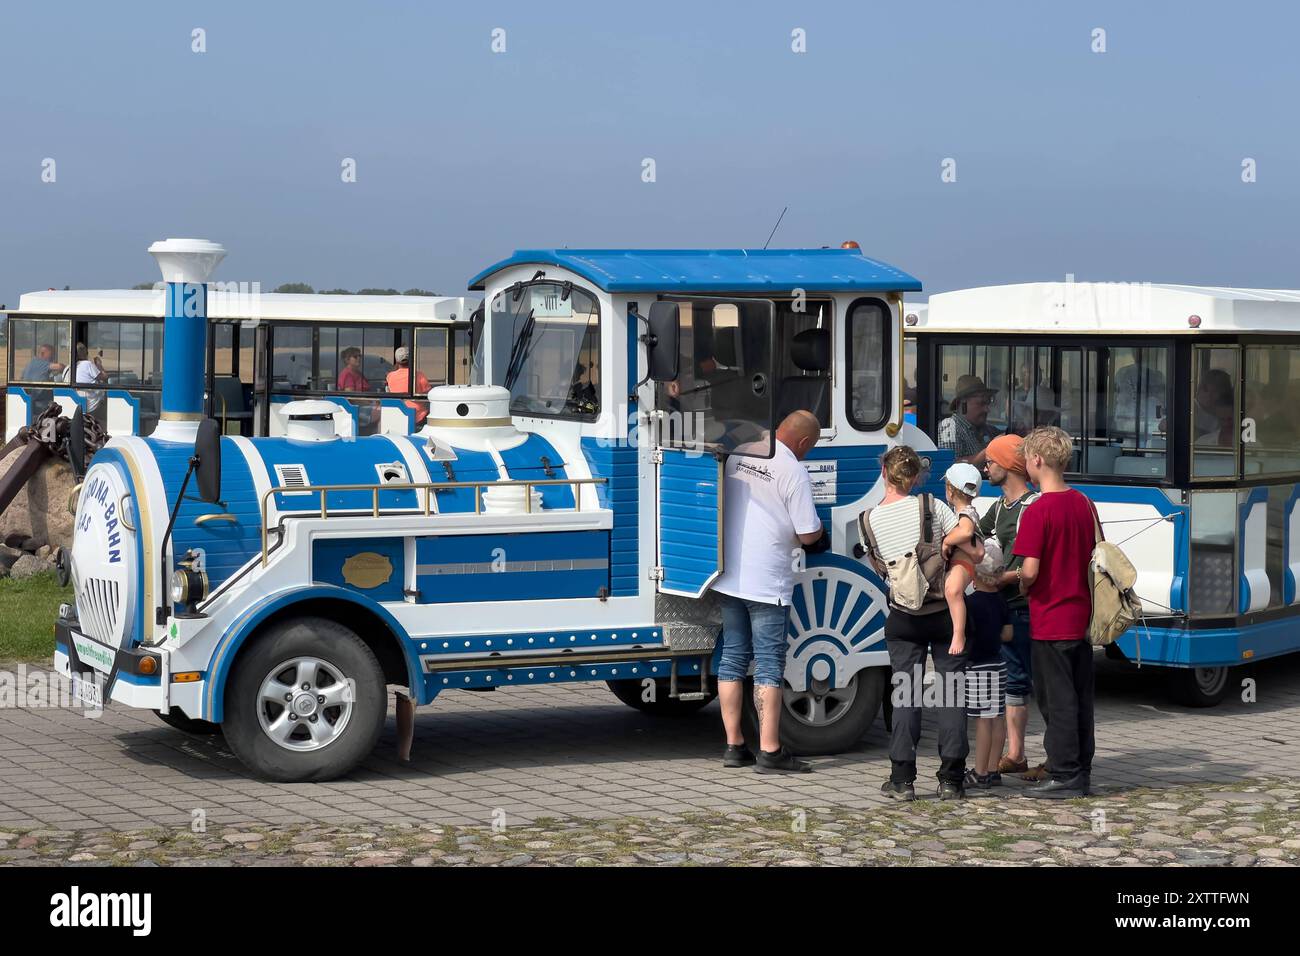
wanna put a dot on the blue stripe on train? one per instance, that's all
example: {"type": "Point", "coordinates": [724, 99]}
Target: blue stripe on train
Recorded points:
{"type": "Point", "coordinates": [512, 567]}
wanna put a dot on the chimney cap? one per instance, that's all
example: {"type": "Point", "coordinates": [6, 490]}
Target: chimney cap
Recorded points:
{"type": "Point", "coordinates": [187, 260]}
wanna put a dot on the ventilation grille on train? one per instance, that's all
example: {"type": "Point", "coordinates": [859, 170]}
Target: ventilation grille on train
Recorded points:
{"type": "Point", "coordinates": [292, 476]}
{"type": "Point", "coordinates": [97, 609]}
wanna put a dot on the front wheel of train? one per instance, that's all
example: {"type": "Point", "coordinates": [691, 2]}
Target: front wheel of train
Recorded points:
{"type": "Point", "coordinates": [822, 719]}
{"type": "Point", "coordinates": [306, 700]}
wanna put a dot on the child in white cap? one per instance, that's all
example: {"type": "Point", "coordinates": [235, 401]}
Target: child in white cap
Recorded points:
{"type": "Point", "coordinates": [962, 483]}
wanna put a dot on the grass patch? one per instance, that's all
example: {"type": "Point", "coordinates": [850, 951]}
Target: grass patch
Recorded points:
{"type": "Point", "coordinates": [28, 609]}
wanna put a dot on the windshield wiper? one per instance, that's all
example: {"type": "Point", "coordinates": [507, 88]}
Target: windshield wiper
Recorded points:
{"type": "Point", "coordinates": [519, 351]}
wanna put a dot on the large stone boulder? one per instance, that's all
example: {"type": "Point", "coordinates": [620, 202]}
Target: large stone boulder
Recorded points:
{"type": "Point", "coordinates": [40, 510]}
{"type": "Point", "coordinates": [30, 564]}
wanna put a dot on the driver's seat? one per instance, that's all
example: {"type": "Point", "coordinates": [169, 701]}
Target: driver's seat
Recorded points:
{"type": "Point", "coordinates": [810, 350]}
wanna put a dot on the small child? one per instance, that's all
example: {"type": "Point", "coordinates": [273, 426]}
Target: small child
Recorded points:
{"type": "Point", "coordinates": [962, 546]}
{"type": "Point", "coordinates": [986, 671]}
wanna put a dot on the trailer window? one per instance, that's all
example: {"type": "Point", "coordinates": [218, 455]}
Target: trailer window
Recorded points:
{"type": "Point", "coordinates": [41, 349]}
{"type": "Point", "coordinates": [1128, 389]}
{"type": "Point", "coordinates": [1216, 429]}
{"type": "Point", "coordinates": [870, 358]}
{"type": "Point", "coordinates": [1270, 436]}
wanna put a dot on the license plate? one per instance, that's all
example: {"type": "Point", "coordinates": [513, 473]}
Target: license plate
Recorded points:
{"type": "Point", "coordinates": [87, 691]}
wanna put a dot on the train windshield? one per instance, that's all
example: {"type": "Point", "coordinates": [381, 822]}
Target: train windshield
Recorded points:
{"type": "Point", "coordinates": [547, 350]}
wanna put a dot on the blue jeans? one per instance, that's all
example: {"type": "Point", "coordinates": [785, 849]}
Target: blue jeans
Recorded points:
{"type": "Point", "coordinates": [753, 632]}
{"type": "Point", "coordinates": [1020, 673]}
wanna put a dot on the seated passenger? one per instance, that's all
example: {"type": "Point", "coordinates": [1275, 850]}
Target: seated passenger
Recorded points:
{"type": "Point", "coordinates": [42, 367]}
{"type": "Point", "coordinates": [966, 431]}
{"type": "Point", "coordinates": [399, 380]}
{"type": "Point", "coordinates": [350, 377]}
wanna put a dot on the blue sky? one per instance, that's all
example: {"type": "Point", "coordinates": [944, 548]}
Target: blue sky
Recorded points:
{"type": "Point", "coordinates": [1124, 165]}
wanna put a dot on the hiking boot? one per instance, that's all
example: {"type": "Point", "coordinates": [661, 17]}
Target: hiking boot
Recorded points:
{"type": "Point", "coordinates": [950, 790]}
{"type": "Point", "coordinates": [1007, 765]}
{"type": "Point", "coordinates": [898, 791]}
{"type": "Point", "coordinates": [737, 755]}
{"type": "Point", "coordinates": [780, 761]}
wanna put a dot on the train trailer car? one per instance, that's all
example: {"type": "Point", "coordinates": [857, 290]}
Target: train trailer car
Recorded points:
{"type": "Point", "coordinates": [559, 521]}
{"type": "Point", "coordinates": [1181, 403]}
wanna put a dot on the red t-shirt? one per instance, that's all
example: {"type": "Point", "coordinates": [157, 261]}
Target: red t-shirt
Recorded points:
{"type": "Point", "coordinates": [1058, 530]}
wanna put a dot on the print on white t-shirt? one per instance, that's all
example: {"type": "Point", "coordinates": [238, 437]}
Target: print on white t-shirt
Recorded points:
{"type": "Point", "coordinates": [768, 504]}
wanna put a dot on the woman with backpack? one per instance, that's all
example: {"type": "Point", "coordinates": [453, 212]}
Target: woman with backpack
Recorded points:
{"type": "Point", "coordinates": [905, 537]}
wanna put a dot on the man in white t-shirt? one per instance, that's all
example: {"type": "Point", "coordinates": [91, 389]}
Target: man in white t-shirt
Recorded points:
{"type": "Point", "coordinates": [768, 516]}
{"type": "Point", "coordinates": [89, 372]}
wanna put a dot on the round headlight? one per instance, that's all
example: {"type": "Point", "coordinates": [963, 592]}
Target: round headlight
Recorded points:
{"type": "Point", "coordinates": [189, 586]}
{"type": "Point", "coordinates": [180, 587]}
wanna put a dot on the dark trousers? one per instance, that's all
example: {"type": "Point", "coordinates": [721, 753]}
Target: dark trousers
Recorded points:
{"type": "Point", "coordinates": [1064, 691]}
{"type": "Point", "coordinates": [908, 637]}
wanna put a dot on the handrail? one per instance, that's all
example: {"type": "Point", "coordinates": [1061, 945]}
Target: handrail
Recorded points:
{"type": "Point", "coordinates": [428, 487]}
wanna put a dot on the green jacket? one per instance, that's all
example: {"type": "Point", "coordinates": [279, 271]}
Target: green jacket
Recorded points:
{"type": "Point", "coordinates": [1001, 521]}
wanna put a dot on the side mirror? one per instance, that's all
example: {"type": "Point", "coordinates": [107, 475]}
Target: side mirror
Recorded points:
{"type": "Point", "coordinates": [662, 341]}
{"type": "Point", "coordinates": [207, 448]}
{"type": "Point", "coordinates": [77, 444]}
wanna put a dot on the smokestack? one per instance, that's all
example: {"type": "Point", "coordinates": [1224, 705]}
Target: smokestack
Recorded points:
{"type": "Point", "coordinates": [186, 265]}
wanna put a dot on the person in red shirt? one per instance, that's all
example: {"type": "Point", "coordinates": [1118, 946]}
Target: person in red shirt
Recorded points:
{"type": "Point", "coordinates": [350, 377]}
{"type": "Point", "coordinates": [1056, 538]}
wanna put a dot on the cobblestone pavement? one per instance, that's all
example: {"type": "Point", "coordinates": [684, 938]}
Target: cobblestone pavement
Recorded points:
{"type": "Point", "coordinates": [1248, 825]}
{"type": "Point", "coordinates": [574, 753]}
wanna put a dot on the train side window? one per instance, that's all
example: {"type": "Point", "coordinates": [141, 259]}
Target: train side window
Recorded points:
{"type": "Point", "coordinates": [870, 351]}
{"type": "Point", "coordinates": [1128, 389]}
{"type": "Point", "coordinates": [803, 358]}
{"type": "Point", "coordinates": [1216, 430]}
{"type": "Point", "coordinates": [1271, 437]}
{"type": "Point", "coordinates": [40, 349]}
{"type": "Point", "coordinates": [291, 358]}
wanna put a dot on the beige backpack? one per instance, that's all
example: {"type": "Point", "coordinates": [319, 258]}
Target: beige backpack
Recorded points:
{"type": "Point", "coordinates": [1111, 576]}
{"type": "Point", "coordinates": [915, 579]}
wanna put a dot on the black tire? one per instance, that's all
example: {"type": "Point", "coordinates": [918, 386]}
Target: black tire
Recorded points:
{"type": "Point", "coordinates": [844, 733]}
{"type": "Point", "coordinates": [1200, 686]}
{"type": "Point", "coordinates": [632, 693]}
{"type": "Point", "coordinates": [335, 647]}
{"type": "Point", "coordinates": [199, 728]}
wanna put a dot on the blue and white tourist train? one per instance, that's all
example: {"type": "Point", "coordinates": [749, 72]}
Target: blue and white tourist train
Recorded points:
{"type": "Point", "coordinates": [558, 520]}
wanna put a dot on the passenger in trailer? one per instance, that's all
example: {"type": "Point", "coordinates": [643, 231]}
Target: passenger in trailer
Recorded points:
{"type": "Point", "coordinates": [90, 372]}
{"type": "Point", "coordinates": [769, 516]}
{"type": "Point", "coordinates": [42, 367]}
{"type": "Point", "coordinates": [399, 380]}
{"type": "Point", "coordinates": [966, 431]}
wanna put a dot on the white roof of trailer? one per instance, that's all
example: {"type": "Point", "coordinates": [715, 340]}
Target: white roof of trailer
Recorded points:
{"type": "Point", "coordinates": [1110, 307]}
{"type": "Point", "coordinates": [247, 305]}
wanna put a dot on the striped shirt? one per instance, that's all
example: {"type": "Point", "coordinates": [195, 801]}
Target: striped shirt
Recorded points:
{"type": "Point", "coordinates": [897, 525]}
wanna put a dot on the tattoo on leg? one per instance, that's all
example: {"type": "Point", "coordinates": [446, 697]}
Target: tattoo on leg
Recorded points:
{"type": "Point", "coordinates": [758, 704]}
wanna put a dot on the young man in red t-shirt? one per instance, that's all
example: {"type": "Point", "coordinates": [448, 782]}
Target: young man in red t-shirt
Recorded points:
{"type": "Point", "coordinates": [1056, 538]}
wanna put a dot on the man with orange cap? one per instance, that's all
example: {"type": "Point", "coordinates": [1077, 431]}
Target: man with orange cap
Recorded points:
{"type": "Point", "coordinates": [1007, 470]}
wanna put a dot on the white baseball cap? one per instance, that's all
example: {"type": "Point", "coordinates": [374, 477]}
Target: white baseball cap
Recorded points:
{"type": "Point", "coordinates": [965, 477]}
{"type": "Point", "coordinates": [402, 354]}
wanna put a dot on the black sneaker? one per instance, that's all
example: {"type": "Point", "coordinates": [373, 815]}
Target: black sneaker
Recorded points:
{"type": "Point", "coordinates": [995, 778]}
{"type": "Point", "coordinates": [780, 761]}
{"type": "Point", "coordinates": [975, 781]}
{"type": "Point", "coordinates": [1053, 789]}
{"type": "Point", "coordinates": [950, 790]}
{"type": "Point", "coordinates": [737, 755]}
{"type": "Point", "coordinates": [898, 791]}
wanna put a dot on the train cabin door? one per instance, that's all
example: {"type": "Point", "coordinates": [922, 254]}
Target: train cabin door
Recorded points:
{"type": "Point", "coordinates": [721, 403]}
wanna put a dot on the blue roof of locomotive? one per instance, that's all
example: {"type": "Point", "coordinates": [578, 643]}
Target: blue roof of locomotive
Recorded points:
{"type": "Point", "coordinates": [717, 270]}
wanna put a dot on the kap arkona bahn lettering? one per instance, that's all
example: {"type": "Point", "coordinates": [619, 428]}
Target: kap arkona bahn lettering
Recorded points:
{"type": "Point", "coordinates": [98, 491]}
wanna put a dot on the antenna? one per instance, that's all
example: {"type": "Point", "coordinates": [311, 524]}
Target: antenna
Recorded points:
{"type": "Point", "coordinates": [774, 228]}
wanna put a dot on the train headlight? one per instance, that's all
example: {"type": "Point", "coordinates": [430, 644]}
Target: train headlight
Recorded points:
{"type": "Point", "coordinates": [189, 586]}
